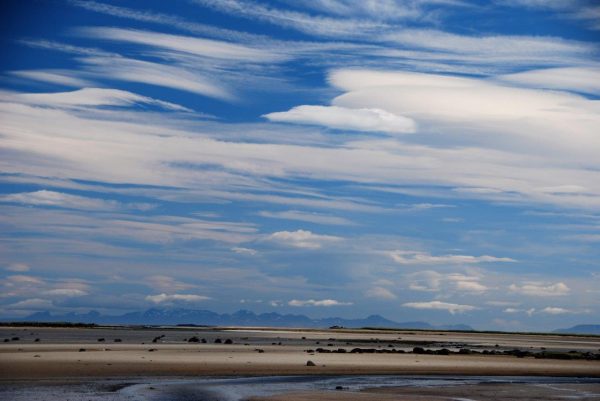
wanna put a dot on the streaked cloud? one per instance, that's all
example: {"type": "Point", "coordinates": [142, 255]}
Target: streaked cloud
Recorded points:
{"type": "Point", "coordinates": [169, 298]}
{"type": "Point", "coordinates": [244, 251]}
{"type": "Point", "coordinates": [299, 215]}
{"type": "Point", "coordinates": [438, 305]}
{"type": "Point", "coordinates": [423, 258]}
{"type": "Point", "coordinates": [87, 97]}
{"type": "Point", "coordinates": [69, 201]}
{"type": "Point", "coordinates": [187, 44]}
{"type": "Point", "coordinates": [538, 289]}
{"type": "Point", "coordinates": [322, 302]}
{"type": "Point", "coordinates": [380, 293]}
{"type": "Point", "coordinates": [58, 77]}
{"type": "Point", "coordinates": [17, 267]}
{"type": "Point", "coordinates": [303, 239]}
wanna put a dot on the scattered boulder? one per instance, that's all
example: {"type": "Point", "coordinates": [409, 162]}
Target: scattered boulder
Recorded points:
{"type": "Point", "coordinates": [310, 363]}
{"type": "Point", "coordinates": [418, 350]}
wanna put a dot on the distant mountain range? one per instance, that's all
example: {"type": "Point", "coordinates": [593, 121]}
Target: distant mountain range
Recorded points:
{"type": "Point", "coordinates": [581, 329]}
{"type": "Point", "coordinates": [157, 316]}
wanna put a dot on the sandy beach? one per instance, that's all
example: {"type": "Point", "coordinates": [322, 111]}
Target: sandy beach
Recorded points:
{"type": "Point", "coordinates": [62, 352]}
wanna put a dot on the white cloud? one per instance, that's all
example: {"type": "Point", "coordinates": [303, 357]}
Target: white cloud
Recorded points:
{"type": "Point", "coordinates": [342, 118]}
{"type": "Point", "coordinates": [59, 199]}
{"type": "Point", "coordinates": [32, 304]}
{"type": "Point", "coordinates": [23, 279]}
{"type": "Point", "coordinates": [528, 312]}
{"type": "Point", "coordinates": [423, 258]}
{"type": "Point", "coordinates": [171, 156]}
{"type": "Point", "coordinates": [306, 216]}
{"type": "Point", "coordinates": [17, 267]}
{"type": "Point", "coordinates": [433, 281]}
{"type": "Point", "coordinates": [541, 289]}
{"type": "Point", "coordinates": [551, 310]}
{"type": "Point", "coordinates": [169, 298]}
{"type": "Point", "coordinates": [322, 302]}
{"type": "Point", "coordinates": [244, 251]}
{"type": "Point", "coordinates": [471, 286]}
{"type": "Point", "coordinates": [66, 292]}
{"type": "Point", "coordinates": [438, 305]}
{"type": "Point", "coordinates": [302, 239]}
{"type": "Point", "coordinates": [380, 293]}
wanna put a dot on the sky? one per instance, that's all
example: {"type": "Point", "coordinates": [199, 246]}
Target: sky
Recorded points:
{"type": "Point", "coordinates": [433, 160]}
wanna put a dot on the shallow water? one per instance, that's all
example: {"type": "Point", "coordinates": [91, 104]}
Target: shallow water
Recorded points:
{"type": "Point", "coordinates": [240, 388]}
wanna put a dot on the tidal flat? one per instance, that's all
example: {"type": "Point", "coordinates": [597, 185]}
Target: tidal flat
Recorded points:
{"type": "Point", "coordinates": [232, 363]}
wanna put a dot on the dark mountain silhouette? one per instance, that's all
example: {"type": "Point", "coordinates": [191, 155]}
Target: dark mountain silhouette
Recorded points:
{"type": "Point", "coordinates": [156, 316]}
{"type": "Point", "coordinates": [581, 329]}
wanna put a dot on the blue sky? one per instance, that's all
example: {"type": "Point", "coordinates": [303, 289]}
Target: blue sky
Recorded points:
{"type": "Point", "coordinates": [424, 160]}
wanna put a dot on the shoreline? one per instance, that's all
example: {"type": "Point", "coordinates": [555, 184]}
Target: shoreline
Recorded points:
{"type": "Point", "coordinates": [307, 388]}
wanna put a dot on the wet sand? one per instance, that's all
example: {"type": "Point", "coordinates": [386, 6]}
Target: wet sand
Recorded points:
{"type": "Point", "coordinates": [469, 392]}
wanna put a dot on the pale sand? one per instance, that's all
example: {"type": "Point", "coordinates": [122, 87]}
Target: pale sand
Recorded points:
{"type": "Point", "coordinates": [57, 356]}
{"type": "Point", "coordinates": [24, 361]}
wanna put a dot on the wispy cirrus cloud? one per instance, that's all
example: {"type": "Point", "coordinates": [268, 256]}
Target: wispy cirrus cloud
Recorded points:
{"type": "Point", "coordinates": [187, 44]}
{"type": "Point", "coordinates": [70, 201]}
{"type": "Point", "coordinates": [309, 24]}
{"type": "Point", "coordinates": [87, 97]}
{"type": "Point", "coordinates": [55, 76]}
